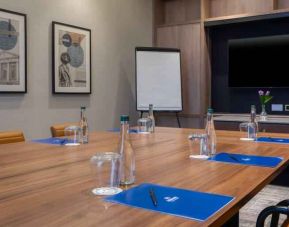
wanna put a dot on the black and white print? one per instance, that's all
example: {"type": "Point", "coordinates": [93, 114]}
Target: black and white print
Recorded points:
{"type": "Point", "coordinates": [12, 51]}
{"type": "Point", "coordinates": [71, 58]}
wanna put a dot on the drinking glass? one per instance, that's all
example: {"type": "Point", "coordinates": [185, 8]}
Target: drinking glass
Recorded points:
{"type": "Point", "coordinates": [198, 145]}
{"type": "Point", "coordinates": [249, 130]}
{"type": "Point", "coordinates": [105, 170]}
{"type": "Point", "coordinates": [144, 125]}
{"type": "Point", "coordinates": [72, 135]}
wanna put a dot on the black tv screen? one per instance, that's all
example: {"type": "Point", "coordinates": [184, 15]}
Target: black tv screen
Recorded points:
{"type": "Point", "coordinates": [259, 62]}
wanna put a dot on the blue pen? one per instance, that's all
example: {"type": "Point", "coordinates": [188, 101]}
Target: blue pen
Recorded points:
{"type": "Point", "coordinates": [234, 158]}
{"type": "Point", "coordinates": [153, 197]}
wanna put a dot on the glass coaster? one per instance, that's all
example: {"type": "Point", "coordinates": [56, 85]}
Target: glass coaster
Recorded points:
{"type": "Point", "coordinates": [106, 191]}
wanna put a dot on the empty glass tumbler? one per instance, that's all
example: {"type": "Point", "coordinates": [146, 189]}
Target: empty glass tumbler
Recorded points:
{"type": "Point", "coordinates": [198, 144]}
{"type": "Point", "coordinates": [72, 135]}
{"type": "Point", "coordinates": [105, 170]}
{"type": "Point", "coordinates": [250, 130]}
{"type": "Point", "coordinates": [144, 125]}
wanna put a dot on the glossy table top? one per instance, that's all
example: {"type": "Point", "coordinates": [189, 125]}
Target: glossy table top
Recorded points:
{"type": "Point", "coordinates": [50, 185]}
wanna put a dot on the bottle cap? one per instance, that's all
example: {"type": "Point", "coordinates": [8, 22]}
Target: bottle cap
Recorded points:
{"type": "Point", "coordinates": [124, 118]}
{"type": "Point", "coordinates": [210, 110]}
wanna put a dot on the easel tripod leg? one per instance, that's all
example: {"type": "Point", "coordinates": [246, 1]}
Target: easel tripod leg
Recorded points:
{"type": "Point", "coordinates": [179, 123]}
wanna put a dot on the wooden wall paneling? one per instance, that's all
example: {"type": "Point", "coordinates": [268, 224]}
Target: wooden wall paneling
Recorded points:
{"type": "Point", "coordinates": [167, 37]}
{"type": "Point", "coordinates": [170, 120]}
{"type": "Point", "coordinates": [174, 11]}
{"type": "Point", "coordinates": [205, 69]}
{"type": "Point", "coordinates": [231, 126]}
{"type": "Point", "coordinates": [159, 12]}
{"type": "Point", "coordinates": [187, 38]}
{"type": "Point", "coordinates": [220, 8]}
{"type": "Point", "coordinates": [205, 9]}
{"type": "Point", "coordinates": [176, 26]}
{"type": "Point", "coordinates": [258, 6]}
{"type": "Point", "coordinates": [275, 4]}
{"type": "Point", "coordinates": [189, 43]}
{"type": "Point", "coordinates": [224, 7]}
{"type": "Point", "coordinates": [192, 10]}
{"type": "Point", "coordinates": [281, 4]}
{"type": "Point", "coordinates": [177, 11]}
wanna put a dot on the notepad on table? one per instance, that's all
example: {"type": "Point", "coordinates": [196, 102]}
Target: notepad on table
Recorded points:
{"type": "Point", "coordinates": [254, 160]}
{"type": "Point", "coordinates": [173, 201]}
{"type": "Point", "coordinates": [273, 140]}
{"type": "Point", "coordinates": [53, 140]}
{"type": "Point", "coordinates": [118, 130]}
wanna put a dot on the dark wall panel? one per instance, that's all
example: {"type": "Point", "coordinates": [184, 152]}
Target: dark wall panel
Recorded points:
{"type": "Point", "coordinates": [238, 100]}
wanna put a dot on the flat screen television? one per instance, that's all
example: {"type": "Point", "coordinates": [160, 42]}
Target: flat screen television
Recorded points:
{"type": "Point", "coordinates": [259, 62]}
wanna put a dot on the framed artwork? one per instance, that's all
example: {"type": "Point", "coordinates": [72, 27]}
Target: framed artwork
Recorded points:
{"type": "Point", "coordinates": [13, 66]}
{"type": "Point", "coordinates": [71, 57]}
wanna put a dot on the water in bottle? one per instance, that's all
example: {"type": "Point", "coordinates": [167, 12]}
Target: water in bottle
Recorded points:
{"type": "Point", "coordinates": [127, 166]}
{"type": "Point", "coordinates": [151, 116]}
{"type": "Point", "coordinates": [83, 125]}
{"type": "Point", "coordinates": [211, 134]}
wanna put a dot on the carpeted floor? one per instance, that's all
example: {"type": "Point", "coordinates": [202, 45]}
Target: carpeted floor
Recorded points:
{"type": "Point", "coordinates": [270, 195]}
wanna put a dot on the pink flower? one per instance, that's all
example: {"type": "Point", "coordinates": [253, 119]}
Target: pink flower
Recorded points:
{"type": "Point", "coordinates": [261, 92]}
{"type": "Point", "coordinates": [264, 98]}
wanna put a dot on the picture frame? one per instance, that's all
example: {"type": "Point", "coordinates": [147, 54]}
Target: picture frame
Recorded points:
{"type": "Point", "coordinates": [13, 52]}
{"type": "Point", "coordinates": [71, 59]}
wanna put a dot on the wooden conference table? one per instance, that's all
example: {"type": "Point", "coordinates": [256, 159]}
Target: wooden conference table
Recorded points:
{"type": "Point", "coordinates": [50, 185]}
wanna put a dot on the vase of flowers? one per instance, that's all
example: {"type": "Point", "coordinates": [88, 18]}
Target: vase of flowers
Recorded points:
{"type": "Point", "coordinates": [265, 97]}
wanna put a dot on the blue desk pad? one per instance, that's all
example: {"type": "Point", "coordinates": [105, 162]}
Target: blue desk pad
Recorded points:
{"type": "Point", "coordinates": [272, 140]}
{"type": "Point", "coordinates": [174, 201]}
{"type": "Point", "coordinates": [53, 140]}
{"type": "Point", "coordinates": [253, 160]}
{"type": "Point", "coordinates": [118, 130]}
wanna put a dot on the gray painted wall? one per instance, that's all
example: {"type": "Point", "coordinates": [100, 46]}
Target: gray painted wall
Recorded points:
{"type": "Point", "coordinates": [117, 27]}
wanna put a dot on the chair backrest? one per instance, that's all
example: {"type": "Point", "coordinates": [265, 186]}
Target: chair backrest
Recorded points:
{"type": "Point", "coordinates": [275, 211]}
{"type": "Point", "coordinates": [11, 137]}
{"type": "Point", "coordinates": [58, 129]}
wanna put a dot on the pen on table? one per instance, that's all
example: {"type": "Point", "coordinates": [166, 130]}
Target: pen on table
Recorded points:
{"type": "Point", "coordinates": [234, 158]}
{"type": "Point", "coordinates": [63, 141]}
{"type": "Point", "coordinates": [153, 197]}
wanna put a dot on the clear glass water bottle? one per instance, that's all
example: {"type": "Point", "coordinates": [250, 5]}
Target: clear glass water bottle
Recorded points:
{"type": "Point", "coordinates": [151, 116]}
{"type": "Point", "coordinates": [211, 134]}
{"type": "Point", "coordinates": [253, 129]}
{"type": "Point", "coordinates": [83, 125]}
{"type": "Point", "coordinates": [127, 166]}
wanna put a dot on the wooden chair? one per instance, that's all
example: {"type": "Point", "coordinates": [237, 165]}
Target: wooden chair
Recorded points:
{"type": "Point", "coordinates": [275, 211]}
{"type": "Point", "coordinates": [11, 137]}
{"type": "Point", "coordinates": [58, 129]}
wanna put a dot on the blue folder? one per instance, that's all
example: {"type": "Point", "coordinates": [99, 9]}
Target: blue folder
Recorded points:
{"type": "Point", "coordinates": [253, 160]}
{"type": "Point", "coordinates": [272, 140]}
{"type": "Point", "coordinates": [174, 201]}
{"type": "Point", "coordinates": [53, 140]}
{"type": "Point", "coordinates": [118, 130]}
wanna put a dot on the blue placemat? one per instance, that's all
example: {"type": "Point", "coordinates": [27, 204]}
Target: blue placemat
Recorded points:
{"type": "Point", "coordinates": [174, 201]}
{"type": "Point", "coordinates": [118, 130]}
{"type": "Point", "coordinates": [272, 140]}
{"type": "Point", "coordinates": [263, 161]}
{"type": "Point", "coordinates": [53, 140]}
